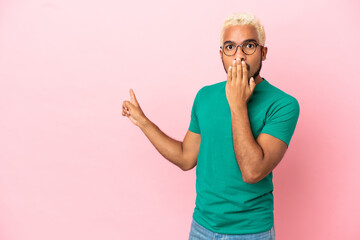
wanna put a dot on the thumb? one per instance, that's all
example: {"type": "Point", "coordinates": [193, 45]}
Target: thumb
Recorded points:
{"type": "Point", "coordinates": [252, 84]}
{"type": "Point", "coordinates": [133, 99]}
{"type": "Point", "coordinates": [128, 105]}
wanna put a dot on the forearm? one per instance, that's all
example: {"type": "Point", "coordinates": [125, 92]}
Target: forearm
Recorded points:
{"type": "Point", "coordinates": [169, 148]}
{"type": "Point", "coordinates": [248, 152]}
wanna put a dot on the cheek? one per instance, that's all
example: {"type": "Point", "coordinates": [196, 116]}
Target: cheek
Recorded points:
{"type": "Point", "coordinates": [228, 64]}
{"type": "Point", "coordinates": [228, 61]}
{"type": "Point", "coordinates": [253, 65]}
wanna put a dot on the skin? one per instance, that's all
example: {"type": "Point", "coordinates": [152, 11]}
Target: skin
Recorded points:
{"type": "Point", "coordinates": [256, 158]}
{"type": "Point", "coordinates": [137, 116]}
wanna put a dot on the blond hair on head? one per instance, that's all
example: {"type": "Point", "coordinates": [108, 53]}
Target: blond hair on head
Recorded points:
{"type": "Point", "coordinates": [244, 18]}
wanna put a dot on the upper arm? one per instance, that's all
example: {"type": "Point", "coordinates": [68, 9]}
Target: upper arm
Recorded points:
{"type": "Point", "coordinates": [275, 136]}
{"type": "Point", "coordinates": [190, 149]}
{"type": "Point", "coordinates": [273, 151]}
{"type": "Point", "coordinates": [281, 120]}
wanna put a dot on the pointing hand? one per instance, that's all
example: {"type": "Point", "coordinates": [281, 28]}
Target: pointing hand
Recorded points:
{"type": "Point", "coordinates": [132, 110]}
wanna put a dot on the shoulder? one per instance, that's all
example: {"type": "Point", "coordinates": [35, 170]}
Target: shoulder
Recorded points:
{"type": "Point", "coordinates": [212, 88]}
{"type": "Point", "coordinates": [283, 98]}
{"type": "Point", "coordinates": [282, 102]}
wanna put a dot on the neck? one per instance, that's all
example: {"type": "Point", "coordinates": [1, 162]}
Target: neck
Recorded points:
{"type": "Point", "coordinates": [258, 79]}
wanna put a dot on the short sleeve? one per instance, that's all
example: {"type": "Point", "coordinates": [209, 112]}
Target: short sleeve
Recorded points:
{"type": "Point", "coordinates": [282, 120]}
{"type": "Point", "coordinates": [194, 122]}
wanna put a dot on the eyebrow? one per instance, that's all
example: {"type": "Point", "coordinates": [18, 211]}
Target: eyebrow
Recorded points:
{"type": "Point", "coordinates": [251, 39]}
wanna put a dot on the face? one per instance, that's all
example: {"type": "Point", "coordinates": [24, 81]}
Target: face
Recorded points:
{"type": "Point", "coordinates": [239, 34]}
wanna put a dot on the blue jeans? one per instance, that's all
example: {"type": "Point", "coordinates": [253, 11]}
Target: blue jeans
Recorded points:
{"type": "Point", "coordinates": [198, 232]}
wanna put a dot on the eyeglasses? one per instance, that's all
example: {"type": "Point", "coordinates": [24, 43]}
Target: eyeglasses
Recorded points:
{"type": "Point", "coordinates": [248, 47]}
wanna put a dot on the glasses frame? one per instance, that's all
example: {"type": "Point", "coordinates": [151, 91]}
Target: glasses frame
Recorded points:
{"type": "Point", "coordinates": [241, 47]}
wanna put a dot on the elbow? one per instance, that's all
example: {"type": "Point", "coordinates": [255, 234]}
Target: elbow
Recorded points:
{"type": "Point", "coordinates": [254, 178]}
{"type": "Point", "coordinates": [183, 167]}
{"type": "Point", "coordinates": [186, 168]}
{"type": "Point", "coordinates": [187, 165]}
{"type": "Point", "coordinates": [251, 178]}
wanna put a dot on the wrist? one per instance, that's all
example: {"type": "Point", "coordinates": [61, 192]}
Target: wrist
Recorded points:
{"type": "Point", "coordinates": [144, 123]}
{"type": "Point", "coordinates": [238, 109]}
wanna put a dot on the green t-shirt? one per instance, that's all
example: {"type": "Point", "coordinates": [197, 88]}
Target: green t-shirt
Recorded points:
{"type": "Point", "coordinates": [224, 202]}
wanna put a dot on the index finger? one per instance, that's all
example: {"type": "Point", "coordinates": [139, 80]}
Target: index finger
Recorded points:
{"type": "Point", "coordinates": [229, 74]}
{"type": "Point", "coordinates": [245, 71]}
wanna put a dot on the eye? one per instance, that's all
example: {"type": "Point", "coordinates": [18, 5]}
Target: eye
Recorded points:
{"type": "Point", "coordinates": [250, 45]}
{"type": "Point", "coordinates": [227, 47]}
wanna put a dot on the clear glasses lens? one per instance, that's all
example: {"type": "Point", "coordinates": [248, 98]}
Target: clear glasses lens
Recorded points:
{"type": "Point", "coordinates": [248, 48]}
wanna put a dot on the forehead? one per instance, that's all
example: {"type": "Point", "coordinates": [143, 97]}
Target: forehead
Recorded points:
{"type": "Point", "coordinates": [239, 34]}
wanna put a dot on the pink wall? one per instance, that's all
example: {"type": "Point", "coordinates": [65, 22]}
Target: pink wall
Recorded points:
{"type": "Point", "coordinates": [72, 167]}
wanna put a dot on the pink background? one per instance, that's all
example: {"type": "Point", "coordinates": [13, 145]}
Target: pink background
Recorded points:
{"type": "Point", "coordinates": [72, 167]}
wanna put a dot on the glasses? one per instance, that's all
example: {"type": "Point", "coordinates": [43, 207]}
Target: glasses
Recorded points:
{"type": "Point", "coordinates": [248, 47]}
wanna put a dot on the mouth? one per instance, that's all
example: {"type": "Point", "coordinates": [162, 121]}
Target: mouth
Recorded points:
{"type": "Point", "coordinates": [247, 65]}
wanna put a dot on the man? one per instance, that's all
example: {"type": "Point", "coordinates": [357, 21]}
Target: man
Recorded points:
{"type": "Point", "coordinates": [244, 126]}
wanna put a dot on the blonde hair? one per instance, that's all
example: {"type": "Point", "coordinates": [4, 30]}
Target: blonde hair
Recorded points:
{"type": "Point", "coordinates": [244, 18]}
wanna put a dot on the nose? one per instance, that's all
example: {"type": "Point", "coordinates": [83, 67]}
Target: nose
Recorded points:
{"type": "Point", "coordinates": [240, 54]}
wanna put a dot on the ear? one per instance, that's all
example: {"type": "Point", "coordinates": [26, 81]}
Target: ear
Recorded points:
{"type": "Point", "coordinates": [220, 51]}
{"type": "Point", "coordinates": [264, 53]}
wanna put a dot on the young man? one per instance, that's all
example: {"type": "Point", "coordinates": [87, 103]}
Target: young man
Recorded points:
{"type": "Point", "coordinates": [244, 126]}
